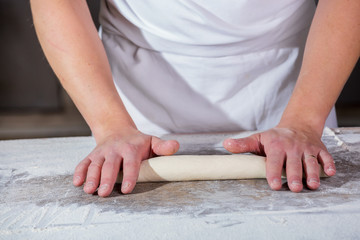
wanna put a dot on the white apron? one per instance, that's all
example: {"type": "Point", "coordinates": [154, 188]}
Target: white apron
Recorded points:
{"type": "Point", "coordinates": [183, 66]}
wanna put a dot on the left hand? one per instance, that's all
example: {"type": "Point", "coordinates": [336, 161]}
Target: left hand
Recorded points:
{"type": "Point", "coordinates": [298, 150]}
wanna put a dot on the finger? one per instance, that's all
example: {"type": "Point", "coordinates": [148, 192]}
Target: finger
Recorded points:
{"type": "Point", "coordinates": [242, 145]}
{"type": "Point", "coordinates": [164, 147]}
{"type": "Point", "coordinates": [131, 168]}
{"type": "Point", "coordinates": [109, 173]}
{"type": "Point", "coordinates": [274, 167]}
{"type": "Point", "coordinates": [294, 172]}
{"type": "Point", "coordinates": [327, 162]}
{"type": "Point", "coordinates": [80, 172]}
{"type": "Point", "coordinates": [312, 170]}
{"type": "Point", "coordinates": [93, 174]}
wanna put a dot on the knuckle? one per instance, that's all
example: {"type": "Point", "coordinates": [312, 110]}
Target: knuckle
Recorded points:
{"type": "Point", "coordinates": [276, 157]}
{"type": "Point", "coordinates": [108, 163]}
{"type": "Point", "coordinates": [82, 165]}
{"type": "Point", "coordinates": [312, 164]}
{"type": "Point", "coordinates": [280, 146]}
{"type": "Point", "coordinates": [295, 164]}
{"type": "Point", "coordinates": [79, 167]}
{"type": "Point", "coordinates": [110, 166]}
{"type": "Point", "coordinates": [95, 164]}
{"type": "Point", "coordinates": [312, 167]}
{"type": "Point", "coordinates": [296, 150]}
{"type": "Point", "coordinates": [312, 149]}
{"type": "Point", "coordinates": [130, 149]}
{"type": "Point", "coordinates": [312, 161]}
{"type": "Point", "coordinates": [91, 179]}
{"type": "Point", "coordinates": [112, 155]}
{"type": "Point", "coordinates": [107, 180]}
{"type": "Point", "coordinates": [276, 143]}
{"type": "Point", "coordinates": [96, 152]}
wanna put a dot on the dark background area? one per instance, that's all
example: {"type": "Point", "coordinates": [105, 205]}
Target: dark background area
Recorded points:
{"type": "Point", "coordinates": [26, 81]}
{"type": "Point", "coordinates": [32, 101]}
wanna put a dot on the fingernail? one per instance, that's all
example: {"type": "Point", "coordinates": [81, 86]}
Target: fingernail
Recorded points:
{"type": "Point", "coordinates": [103, 188]}
{"type": "Point", "coordinates": [331, 170]}
{"type": "Point", "coordinates": [276, 182]}
{"type": "Point", "coordinates": [296, 183]}
{"type": "Point", "coordinates": [89, 185]}
{"type": "Point", "coordinates": [313, 180]}
{"type": "Point", "coordinates": [125, 185]}
{"type": "Point", "coordinates": [77, 179]}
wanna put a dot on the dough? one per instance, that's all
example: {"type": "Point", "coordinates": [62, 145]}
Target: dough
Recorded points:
{"type": "Point", "coordinates": [202, 167]}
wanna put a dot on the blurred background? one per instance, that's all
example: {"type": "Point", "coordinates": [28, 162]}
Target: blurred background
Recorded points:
{"type": "Point", "coordinates": [33, 103]}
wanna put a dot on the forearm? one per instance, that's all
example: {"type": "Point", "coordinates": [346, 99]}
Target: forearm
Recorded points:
{"type": "Point", "coordinates": [76, 54]}
{"type": "Point", "coordinates": [332, 49]}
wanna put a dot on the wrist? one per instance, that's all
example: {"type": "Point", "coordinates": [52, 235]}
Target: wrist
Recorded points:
{"type": "Point", "coordinates": [307, 109]}
{"type": "Point", "coordinates": [303, 122]}
{"type": "Point", "coordinates": [109, 127]}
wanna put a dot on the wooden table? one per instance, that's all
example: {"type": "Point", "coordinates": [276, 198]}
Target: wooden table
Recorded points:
{"type": "Point", "coordinates": [38, 200]}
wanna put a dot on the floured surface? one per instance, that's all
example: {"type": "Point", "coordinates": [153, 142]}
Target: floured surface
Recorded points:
{"type": "Point", "coordinates": [39, 201]}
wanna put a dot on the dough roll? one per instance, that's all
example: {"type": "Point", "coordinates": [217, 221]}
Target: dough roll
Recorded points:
{"type": "Point", "coordinates": [202, 167]}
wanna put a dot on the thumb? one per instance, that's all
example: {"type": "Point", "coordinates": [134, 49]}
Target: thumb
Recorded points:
{"type": "Point", "coordinates": [243, 145]}
{"type": "Point", "coordinates": [164, 147]}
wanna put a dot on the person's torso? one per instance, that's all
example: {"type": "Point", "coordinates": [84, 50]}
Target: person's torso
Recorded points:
{"type": "Point", "coordinates": [196, 65]}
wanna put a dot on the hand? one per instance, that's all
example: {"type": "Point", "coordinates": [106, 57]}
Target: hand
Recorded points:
{"type": "Point", "coordinates": [102, 165]}
{"type": "Point", "coordinates": [295, 149]}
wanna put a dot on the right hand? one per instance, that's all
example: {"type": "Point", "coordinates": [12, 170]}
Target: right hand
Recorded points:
{"type": "Point", "coordinates": [101, 167]}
